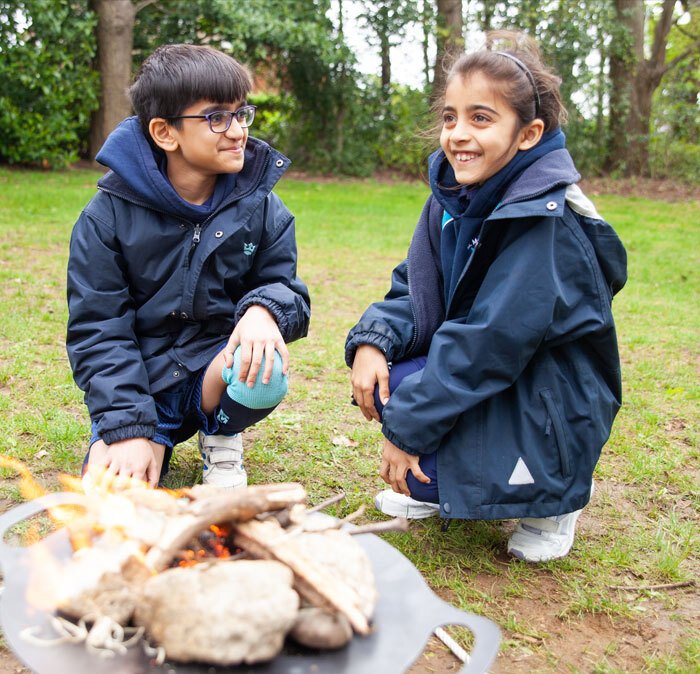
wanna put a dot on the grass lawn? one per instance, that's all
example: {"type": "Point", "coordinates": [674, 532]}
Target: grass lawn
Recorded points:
{"type": "Point", "coordinates": [641, 529]}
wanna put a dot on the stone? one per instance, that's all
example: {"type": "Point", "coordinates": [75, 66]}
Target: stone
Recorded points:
{"type": "Point", "coordinates": [224, 613]}
{"type": "Point", "coordinates": [318, 628]}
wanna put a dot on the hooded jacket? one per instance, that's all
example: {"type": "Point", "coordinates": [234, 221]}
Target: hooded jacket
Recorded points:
{"type": "Point", "coordinates": [522, 380]}
{"type": "Point", "coordinates": [156, 285]}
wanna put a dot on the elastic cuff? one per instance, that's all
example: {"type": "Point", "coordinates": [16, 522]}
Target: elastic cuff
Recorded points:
{"type": "Point", "coordinates": [366, 338]}
{"type": "Point", "coordinates": [273, 307]}
{"type": "Point", "coordinates": [128, 432]}
{"type": "Point", "coordinates": [395, 441]}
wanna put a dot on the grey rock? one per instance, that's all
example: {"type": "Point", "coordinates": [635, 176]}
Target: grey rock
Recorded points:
{"type": "Point", "coordinates": [223, 613]}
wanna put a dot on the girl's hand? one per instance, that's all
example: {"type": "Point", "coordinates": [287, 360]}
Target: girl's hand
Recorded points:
{"type": "Point", "coordinates": [369, 369]}
{"type": "Point", "coordinates": [258, 335]}
{"type": "Point", "coordinates": [132, 458]}
{"type": "Point", "coordinates": [395, 465]}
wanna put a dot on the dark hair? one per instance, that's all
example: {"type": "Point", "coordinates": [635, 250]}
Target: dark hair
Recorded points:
{"type": "Point", "coordinates": [175, 76]}
{"type": "Point", "coordinates": [514, 82]}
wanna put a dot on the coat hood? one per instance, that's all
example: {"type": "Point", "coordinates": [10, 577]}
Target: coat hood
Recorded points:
{"type": "Point", "coordinates": [137, 173]}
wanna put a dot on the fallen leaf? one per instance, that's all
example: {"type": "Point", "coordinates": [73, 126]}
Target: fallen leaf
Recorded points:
{"type": "Point", "coordinates": [343, 441]}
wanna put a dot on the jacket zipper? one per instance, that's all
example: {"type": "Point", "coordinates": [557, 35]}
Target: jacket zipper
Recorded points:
{"type": "Point", "coordinates": [196, 238]}
{"type": "Point", "coordinates": [413, 311]}
{"type": "Point", "coordinates": [554, 420]}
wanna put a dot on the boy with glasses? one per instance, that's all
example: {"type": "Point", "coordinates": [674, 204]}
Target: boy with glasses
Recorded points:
{"type": "Point", "coordinates": [182, 285]}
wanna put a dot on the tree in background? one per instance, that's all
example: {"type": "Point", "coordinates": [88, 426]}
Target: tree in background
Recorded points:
{"type": "Point", "coordinates": [449, 41]}
{"type": "Point", "coordinates": [313, 102]}
{"type": "Point", "coordinates": [388, 19]}
{"type": "Point", "coordinates": [635, 77]}
{"type": "Point", "coordinates": [114, 38]}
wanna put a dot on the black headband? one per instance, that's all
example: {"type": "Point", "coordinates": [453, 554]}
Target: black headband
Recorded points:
{"type": "Point", "coordinates": [527, 72]}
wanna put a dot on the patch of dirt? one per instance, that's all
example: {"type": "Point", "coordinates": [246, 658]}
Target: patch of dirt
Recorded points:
{"type": "Point", "coordinates": [646, 188]}
{"type": "Point", "coordinates": [10, 665]}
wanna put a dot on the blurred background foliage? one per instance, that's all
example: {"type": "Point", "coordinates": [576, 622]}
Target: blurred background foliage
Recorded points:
{"type": "Point", "coordinates": [317, 107]}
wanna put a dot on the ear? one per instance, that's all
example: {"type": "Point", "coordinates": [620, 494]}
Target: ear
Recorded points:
{"type": "Point", "coordinates": [531, 134]}
{"type": "Point", "coordinates": [162, 134]}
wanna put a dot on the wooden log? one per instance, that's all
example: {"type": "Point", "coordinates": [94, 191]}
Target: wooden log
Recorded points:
{"type": "Point", "coordinates": [315, 584]}
{"type": "Point", "coordinates": [239, 505]}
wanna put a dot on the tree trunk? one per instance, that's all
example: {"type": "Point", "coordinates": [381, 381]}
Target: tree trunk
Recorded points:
{"type": "Point", "coordinates": [634, 80]}
{"type": "Point", "coordinates": [450, 42]}
{"type": "Point", "coordinates": [115, 38]}
{"type": "Point", "coordinates": [425, 23]}
{"type": "Point", "coordinates": [385, 53]}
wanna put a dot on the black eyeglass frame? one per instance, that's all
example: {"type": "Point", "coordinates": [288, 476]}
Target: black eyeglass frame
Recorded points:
{"type": "Point", "coordinates": [231, 115]}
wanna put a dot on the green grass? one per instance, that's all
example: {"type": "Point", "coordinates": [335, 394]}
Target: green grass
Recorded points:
{"type": "Point", "coordinates": [641, 528]}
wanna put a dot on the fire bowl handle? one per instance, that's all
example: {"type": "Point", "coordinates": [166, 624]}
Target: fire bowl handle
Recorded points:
{"type": "Point", "coordinates": [26, 510]}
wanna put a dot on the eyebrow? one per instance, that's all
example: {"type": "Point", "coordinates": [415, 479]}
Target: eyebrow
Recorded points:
{"type": "Point", "coordinates": [472, 108]}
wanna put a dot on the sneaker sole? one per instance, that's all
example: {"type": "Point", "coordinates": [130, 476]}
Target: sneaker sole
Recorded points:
{"type": "Point", "coordinates": [518, 554]}
{"type": "Point", "coordinates": [409, 512]}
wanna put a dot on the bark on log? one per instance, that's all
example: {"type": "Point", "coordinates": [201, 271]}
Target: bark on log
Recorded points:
{"type": "Point", "coordinates": [240, 505]}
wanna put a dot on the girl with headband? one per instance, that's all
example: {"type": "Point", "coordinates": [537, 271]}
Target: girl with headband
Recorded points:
{"type": "Point", "coordinates": [492, 363]}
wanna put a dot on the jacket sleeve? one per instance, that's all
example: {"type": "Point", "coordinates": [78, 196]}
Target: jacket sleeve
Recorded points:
{"type": "Point", "coordinates": [539, 289]}
{"type": "Point", "coordinates": [273, 282]}
{"type": "Point", "coordinates": [388, 325]}
{"type": "Point", "coordinates": [102, 347]}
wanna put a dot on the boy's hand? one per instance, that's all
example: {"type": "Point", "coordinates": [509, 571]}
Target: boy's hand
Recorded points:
{"type": "Point", "coordinates": [369, 369]}
{"type": "Point", "coordinates": [395, 465]}
{"type": "Point", "coordinates": [258, 335]}
{"type": "Point", "coordinates": [132, 458]}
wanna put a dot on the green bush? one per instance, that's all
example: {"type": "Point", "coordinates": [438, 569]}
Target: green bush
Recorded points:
{"type": "Point", "coordinates": [47, 87]}
{"type": "Point", "coordinates": [674, 159]}
{"type": "Point", "coordinates": [273, 118]}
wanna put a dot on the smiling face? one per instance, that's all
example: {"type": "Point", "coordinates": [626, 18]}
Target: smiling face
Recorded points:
{"type": "Point", "coordinates": [481, 133]}
{"type": "Point", "coordinates": [203, 151]}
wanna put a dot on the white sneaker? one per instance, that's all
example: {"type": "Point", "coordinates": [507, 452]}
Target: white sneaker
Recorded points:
{"type": "Point", "coordinates": [223, 461]}
{"type": "Point", "coordinates": [397, 505]}
{"type": "Point", "coordinates": [540, 539]}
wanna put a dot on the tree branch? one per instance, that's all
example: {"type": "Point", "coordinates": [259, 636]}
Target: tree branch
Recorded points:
{"type": "Point", "coordinates": [143, 4]}
{"type": "Point", "coordinates": [661, 31]}
{"type": "Point", "coordinates": [681, 57]}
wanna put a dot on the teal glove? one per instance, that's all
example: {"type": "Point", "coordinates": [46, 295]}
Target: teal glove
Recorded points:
{"type": "Point", "coordinates": [260, 396]}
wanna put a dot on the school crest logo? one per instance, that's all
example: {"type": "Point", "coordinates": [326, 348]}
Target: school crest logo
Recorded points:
{"type": "Point", "coordinates": [249, 248]}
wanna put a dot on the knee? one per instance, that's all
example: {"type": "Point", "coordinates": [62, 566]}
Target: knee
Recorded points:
{"type": "Point", "coordinates": [259, 396]}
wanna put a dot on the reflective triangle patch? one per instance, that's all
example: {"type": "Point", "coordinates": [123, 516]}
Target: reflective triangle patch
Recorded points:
{"type": "Point", "coordinates": [521, 474]}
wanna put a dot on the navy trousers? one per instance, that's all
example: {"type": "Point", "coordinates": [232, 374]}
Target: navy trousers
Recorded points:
{"type": "Point", "coordinates": [428, 462]}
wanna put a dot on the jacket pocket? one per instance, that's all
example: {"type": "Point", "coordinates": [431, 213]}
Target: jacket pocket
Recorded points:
{"type": "Point", "coordinates": [554, 421]}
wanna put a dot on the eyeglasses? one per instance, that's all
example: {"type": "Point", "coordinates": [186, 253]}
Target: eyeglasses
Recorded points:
{"type": "Point", "coordinates": [220, 120]}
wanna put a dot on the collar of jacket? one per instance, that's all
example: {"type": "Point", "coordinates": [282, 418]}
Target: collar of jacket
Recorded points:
{"type": "Point", "coordinates": [541, 169]}
{"type": "Point", "coordinates": [263, 168]}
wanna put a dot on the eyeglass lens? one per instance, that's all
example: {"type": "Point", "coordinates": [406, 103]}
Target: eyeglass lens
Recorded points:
{"type": "Point", "coordinates": [219, 122]}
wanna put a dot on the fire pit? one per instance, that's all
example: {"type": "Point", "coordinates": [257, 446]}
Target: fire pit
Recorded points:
{"type": "Point", "coordinates": [406, 614]}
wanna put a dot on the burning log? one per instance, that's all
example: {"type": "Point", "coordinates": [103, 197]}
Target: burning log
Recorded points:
{"type": "Point", "coordinates": [226, 610]}
{"type": "Point", "coordinates": [215, 507]}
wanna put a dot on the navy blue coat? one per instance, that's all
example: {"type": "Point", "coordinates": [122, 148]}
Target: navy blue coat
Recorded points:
{"type": "Point", "coordinates": [522, 380]}
{"type": "Point", "coordinates": [155, 286]}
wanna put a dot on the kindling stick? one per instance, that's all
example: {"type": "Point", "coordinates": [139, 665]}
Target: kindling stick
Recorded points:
{"type": "Point", "coordinates": [454, 647]}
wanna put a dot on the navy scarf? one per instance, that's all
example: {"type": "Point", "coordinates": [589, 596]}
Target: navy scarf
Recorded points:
{"type": "Point", "coordinates": [471, 205]}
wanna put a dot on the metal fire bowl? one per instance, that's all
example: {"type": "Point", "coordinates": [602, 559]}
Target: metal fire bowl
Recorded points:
{"type": "Point", "coordinates": [406, 615]}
